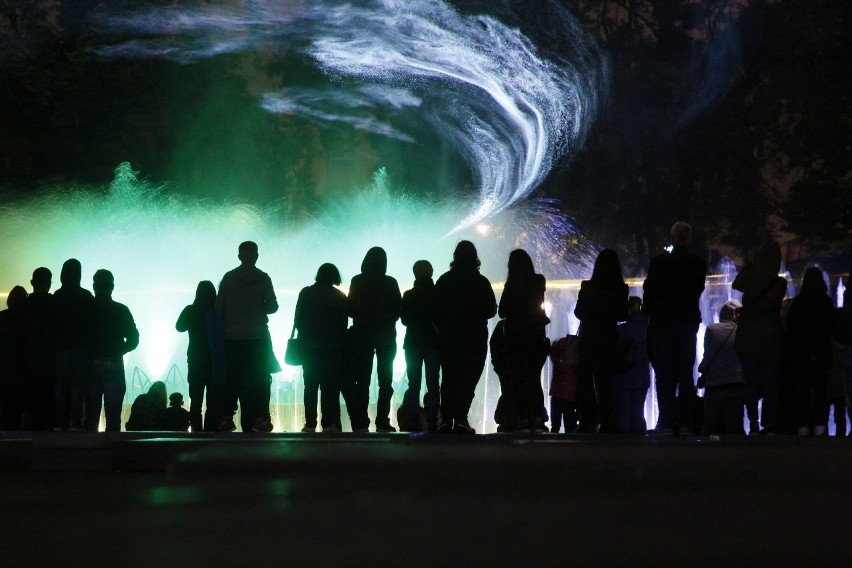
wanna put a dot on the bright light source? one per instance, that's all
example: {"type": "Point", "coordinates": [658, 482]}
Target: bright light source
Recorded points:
{"type": "Point", "coordinates": [484, 229]}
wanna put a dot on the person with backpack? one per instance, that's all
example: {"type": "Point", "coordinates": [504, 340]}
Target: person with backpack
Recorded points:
{"type": "Point", "coordinates": [630, 388]}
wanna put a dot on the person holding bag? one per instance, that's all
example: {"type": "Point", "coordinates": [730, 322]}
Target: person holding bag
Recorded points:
{"type": "Point", "coordinates": [321, 320]}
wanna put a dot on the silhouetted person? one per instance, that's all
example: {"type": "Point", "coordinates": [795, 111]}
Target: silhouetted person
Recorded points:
{"type": "Point", "coordinates": [203, 356]}
{"type": "Point", "coordinates": [565, 369]}
{"type": "Point", "coordinates": [464, 302]}
{"type": "Point", "coordinates": [114, 334]}
{"type": "Point", "coordinates": [760, 335]}
{"type": "Point", "coordinates": [672, 289]}
{"type": "Point", "coordinates": [374, 301]}
{"type": "Point", "coordinates": [525, 344]}
{"type": "Point", "coordinates": [13, 385]}
{"type": "Point", "coordinates": [245, 299]}
{"type": "Point", "coordinates": [724, 385]}
{"type": "Point", "coordinates": [811, 323]}
{"type": "Point", "coordinates": [74, 308]}
{"type": "Point", "coordinates": [421, 347]}
{"type": "Point", "coordinates": [321, 319]}
{"type": "Point", "coordinates": [842, 354]}
{"type": "Point", "coordinates": [176, 417]}
{"type": "Point", "coordinates": [601, 304]}
{"type": "Point", "coordinates": [40, 351]}
{"type": "Point", "coordinates": [630, 389]}
{"type": "Point", "coordinates": [149, 409]}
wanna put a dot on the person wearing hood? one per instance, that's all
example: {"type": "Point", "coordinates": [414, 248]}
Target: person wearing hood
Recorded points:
{"type": "Point", "coordinates": [40, 350]}
{"type": "Point", "coordinates": [245, 299]}
{"type": "Point", "coordinates": [374, 303]}
{"type": "Point", "coordinates": [722, 375]}
{"type": "Point", "coordinates": [760, 334]}
{"type": "Point", "coordinates": [12, 360]}
{"type": "Point", "coordinates": [74, 306]}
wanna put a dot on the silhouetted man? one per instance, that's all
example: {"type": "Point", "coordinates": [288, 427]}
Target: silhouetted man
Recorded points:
{"type": "Point", "coordinates": [245, 299]}
{"type": "Point", "coordinates": [41, 365]}
{"type": "Point", "coordinates": [114, 333]}
{"type": "Point", "coordinates": [672, 288]}
{"type": "Point", "coordinates": [74, 307]}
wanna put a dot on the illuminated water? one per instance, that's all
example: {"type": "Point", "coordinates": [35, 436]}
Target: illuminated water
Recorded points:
{"type": "Point", "coordinates": [392, 69]}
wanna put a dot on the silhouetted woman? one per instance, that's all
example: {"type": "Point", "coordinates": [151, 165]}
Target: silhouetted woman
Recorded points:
{"type": "Point", "coordinates": [810, 323]}
{"type": "Point", "coordinates": [374, 301]}
{"type": "Point", "coordinates": [525, 345]}
{"type": "Point", "coordinates": [464, 302]}
{"type": "Point", "coordinates": [197, 319]}
{"type": "Point", "coordinates": [601, 304]}
{"type": "Point", "coordinates": [760, 335]}
{"type": "Point", "coordinates": [321, 319]}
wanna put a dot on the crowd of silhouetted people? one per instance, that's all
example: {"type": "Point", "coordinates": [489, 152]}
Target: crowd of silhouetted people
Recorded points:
{"type": "Point", "coordinates": [782, 363]}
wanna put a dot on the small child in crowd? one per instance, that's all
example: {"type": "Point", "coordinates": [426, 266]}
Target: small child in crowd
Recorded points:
{"type": "Point", "coordinates": [176, 417]}
{"type": "Point", "coordinates": [630, 389]}
{"type": "Point", "coordinates": [563, 384]}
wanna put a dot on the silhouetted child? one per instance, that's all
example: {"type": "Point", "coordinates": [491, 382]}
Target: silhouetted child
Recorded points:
{"type": "Point", "coordinates": [630, 389]}
{"type": "Point", "coordinates": [148, 409]}
{"type": "Point", "coordinates": [563, 384]}
{"type": "Point", "coordinates": [722, 376]}
{"type": "Point", "coordinates": [176, 417]}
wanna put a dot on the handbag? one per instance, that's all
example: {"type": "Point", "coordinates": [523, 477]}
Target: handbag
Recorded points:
{"type": "Point", "coordinates": [293, 354]}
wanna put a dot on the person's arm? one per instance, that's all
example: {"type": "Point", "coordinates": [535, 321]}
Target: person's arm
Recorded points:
{"type": "Point", "coordinates": [270, 302]}
{"type": "Point", "coordinates": [182, 323]}
{"type": "Point", "coordinates": [131, 334]}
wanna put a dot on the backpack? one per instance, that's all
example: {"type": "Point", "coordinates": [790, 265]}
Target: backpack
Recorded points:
{"type": "Point", "coordinates": [625, 351]}
{"type": "Point", "coordinates": [565, 352]}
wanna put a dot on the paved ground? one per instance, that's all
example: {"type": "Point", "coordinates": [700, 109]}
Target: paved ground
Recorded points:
{"type": "Point", "coordinates": [395, 500]}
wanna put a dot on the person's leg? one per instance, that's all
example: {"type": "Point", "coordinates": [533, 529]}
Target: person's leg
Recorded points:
{"type": "Point", "coordinates": [451, 369]}
{"type": "Point", "coordinates": [255, 388]}
{"type": "Point", "coordinates": [414, 359]}
{"type": "Point", "coordinates": [637, 411]}
{"type": "Point", "coordinates": [385, 355]}
{"type": "Point", "coordinates": [621, 405]}
{"type": "Point", "coordinates": [432, 363]}
{"type": "Point", "coordinates": [587, 397]}
{"type": "Point", "coordinates": [665, 375]}
{"type": "Point", "coordinates": [196, 401]}
{"type": "Point", "coordinates": [312, 369]}
{"type": "Point", "coordinates": [362, 371]}
{"type": "Point", "coordinates": [230, 389]}
{"type": "Point", "coordinates": [94, 396]}
{"type": "Point", "coordinates": [769, 411]}
{"type": "Point", "coordinates": [732, 411]}
{"type": "Point", "coordinates": [713, 410]}
{"type": "Point", "coordinates": [473, 362]}
{"type": "Point", "coordinates": [751, 390]}
{"type": "Point", "coordinates": [683, 343]}
{"type": "Point", "coordinates": [820, 385]}
{"type": "Point", "coordinates": [330, 389]}
{"type": "Point", "coordinates": [114, 388]}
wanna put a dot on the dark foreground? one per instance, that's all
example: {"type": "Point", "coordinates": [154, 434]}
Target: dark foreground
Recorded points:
{"type": "Point", "coordinates": [394, 500]}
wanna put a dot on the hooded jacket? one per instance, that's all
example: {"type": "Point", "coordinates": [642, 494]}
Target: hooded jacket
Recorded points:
{"type": "Point", "coordinates": [245, 298]}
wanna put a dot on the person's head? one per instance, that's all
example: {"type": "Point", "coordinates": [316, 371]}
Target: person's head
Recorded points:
{"type": "Point", "coordinates": [730, 311]}
{"type": "Point", "coordinates": [681, 233]}
{"type": "Point", "coordinates": [42, 279]}
{"type": "Point", "coordinates": [72, 273]}
{"type": "Point", "coordinates": [634, 305]}
{"type": "Point", "coordinates": [158, 390]}
{"type": "Point", "coordinates": [328, 275]}
{"type": "Point", "coordinates": [16, 298]}
{"type": "Point", "coordinates": [422, 269]}
{"type": "Point", "coordinates": [176, 399]}
{"type": "Point", "coordinates": [768, 257]}
{"type": "Point", "coordinates": [103, 283]}
{"type": "Point", "coordinates": [205, 294]}
{"type": "Point", "coordinates": [248, 253]}
{"type": "Point", "coordinates": [520, 265]}
{"type": "Point", "coordinates": [375, 262]}
{"type": "Point", "coordinates": [607, 270]}
{"type": "Point", "coordinates": [813, 282]}
{"type": "Point", "coordinates": [465, 256]}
